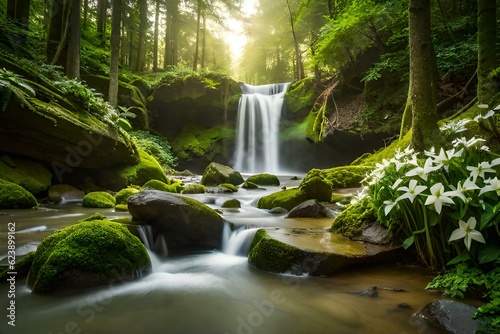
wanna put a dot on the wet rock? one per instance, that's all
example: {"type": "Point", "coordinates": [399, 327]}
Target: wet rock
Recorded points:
{"type": "Point", "coordinates": [370, 292]}
{"type": "Point", "coordinates": [278, 211]}
{"type": "Point", "coordinates": [183, 221]}
{"type": "Point", "coordinates": [449, 316]}
{"type": "Point", "coordinates": [374, 233]}
{"type": "Point", "coordinates": [311, 209]}
{"type": "Point", "coordinates": [231, 204]}
{"type": "Point", "coordinates": [216, 174]}
{"type": "Point", "coordinates": [264, 179]}
{"type": "Point", "coordinates": [64, 192]}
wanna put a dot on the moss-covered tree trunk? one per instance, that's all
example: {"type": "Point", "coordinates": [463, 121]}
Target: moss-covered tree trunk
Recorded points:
{"type": "Point", "coordinates": [486, 40]}
{"type": "Point", "coordinates": [423, 90]}
{"type": "Point", "coordinates": [115, 52]}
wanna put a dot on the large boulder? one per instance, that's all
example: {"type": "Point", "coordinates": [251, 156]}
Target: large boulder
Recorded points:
{"type": "Point", "coordinates": [99, 199]}
{"type": "Point", "coordinates": [216, 174]}
{"type": "Point", "coordinates": [264, 179]}
{"type": "Point", "coordinates": [184, 221]}
{"type": "Point", "coordinates": [30, 175]}
{"type": "Point", "coordinates": [93, 252]}
{"type": "Point", "coordinates": [13, 196]}
{"type": "Point", "coordinates": [61, 193]}
{"type": "Point", "coordinates": [314, 252]}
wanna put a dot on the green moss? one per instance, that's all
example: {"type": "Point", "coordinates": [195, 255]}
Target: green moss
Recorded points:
{"type": "Point", "coordinates": [301, 95]}
{"type": "Point", "coordinates": [287, 199]}
{"type": "Point", "coordinates": [316, 187]}
{"type": "Point", "coordinates": [216, 174]}
{"type": "Point", "coordinates": [194, 141]}
{"type": "Point", "coordinates": [64, 254]}
{"type": "Point", "coordinates": [171, 186]}
{"type": "Point", "coordinates": [99, 199]}
{"type": "Point", "coordinates": [340, 198]}
{"type": "Point", "coordinates": [351, 221]}
{"type": "Point", "coordinates": [121, 207]}
{"type": "Point", "coordinates": [204, 210]}
{"type": "Point", "coordinates": [384, 153]}
{"type": "Point", "coordinates": [22, 268]}
{"type": "Point", "coordinates": [195, 189]}
{"type": "Point", "coordinates": [250, 185]}
{"type": "Point", "coordinates": [232, 203]}
{"type": "Point", "coordinates": [122, 196]}
{"type": "Point", "coordinates": [28, 174]}
{"type": "Point", "coordinates": [94, 216]}
{"type": "Point", "coordinates": [271, 255]}
{"type": "Point", "coordinates": [120, 177]}
{"type": "Point", "coordinates": [264, 179]}
{"type": "Point", "coordinates": [13, 196]}
{"type": "Point", "coordinates": [228, 187]}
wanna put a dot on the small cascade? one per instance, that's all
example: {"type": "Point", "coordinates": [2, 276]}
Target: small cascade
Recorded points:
{"type": "Point", "coordinates": [237, 242]}
{"type": "Point", "coordinates": [157, 244]}
{"type": "Point", "coordinates": [258, 125]}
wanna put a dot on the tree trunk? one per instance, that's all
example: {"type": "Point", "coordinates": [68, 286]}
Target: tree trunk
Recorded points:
{"type": "Point", "coordinates": [175, 32]}
{"type": "Point", "coordinates": [298, 58]}
{"type": "Point", "coordinates": [423, 89]}
{"type": "Point", "coordinates": [155, 42]}
{"type": "Point", "coordinates": [204, 44]}
{"type": "Point", "coordinates": [85, 13]}
{"type": "Point", "coordinates": [101, 20]}
{"type": "Point", "coordinates": [486, 40]}
{"type": "Point", "coordinates": [198, 19]}
{"type": "Point", "coordinates": [115, 52]}
{"type": "Point", "coordinates": [141, 44]}
{"type": "Point", "coordinates": [58, 26]}
{"type": "Point", "coordinates": [73, 56]}
{"type": "Point", "coordinates": [19, 11]}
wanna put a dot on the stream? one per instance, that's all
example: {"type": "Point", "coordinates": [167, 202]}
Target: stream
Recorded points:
{"type": "Point", "coordinates": [213, 292]}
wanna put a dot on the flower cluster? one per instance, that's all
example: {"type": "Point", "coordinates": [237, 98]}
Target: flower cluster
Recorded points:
{"type": "Point", "coordinates": [440, 198]}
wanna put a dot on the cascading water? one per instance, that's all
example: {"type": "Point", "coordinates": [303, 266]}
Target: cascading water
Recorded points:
{"type": "Point", "coordinates": [237, 242]}
{"type": "Point", "coordinates": [258, 124]}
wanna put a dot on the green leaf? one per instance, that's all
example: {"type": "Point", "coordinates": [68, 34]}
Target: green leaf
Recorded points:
{"type": "Point", "coordinates": [489, 253]}
{"type": "Point", "coordinates": [408, 242]}
{"type": "Point", "coordinates": [487, 217]}
{"type": "Point", "coordinates": [460, 258]}
{"type": "Point", "coordinates": [124, 124]}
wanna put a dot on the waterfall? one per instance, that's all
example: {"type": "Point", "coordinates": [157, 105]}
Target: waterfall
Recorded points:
{"type": "Point", "coordinates": [258, 125]}
{"type": "Point", "coordinates": [157, 244]}
{"type": "Point", "coordinates": [237, 242]}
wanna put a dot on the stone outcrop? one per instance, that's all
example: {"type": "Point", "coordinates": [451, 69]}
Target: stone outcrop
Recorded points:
{"type": "Point", "coordinates": [216, 174]}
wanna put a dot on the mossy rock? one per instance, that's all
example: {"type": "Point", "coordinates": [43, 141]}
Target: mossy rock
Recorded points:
{"type": "Point", "coordinates": [99, 199]}
{"type": "Point", "coordinates": [249, 185]}
{"type": "Point", "coordinates": [122, 196]}
{"type": "Point", "coordinates": [13, 196]}
{"type": "Point", "coordinates": [171, 187]}
{"type": "Point", "coordinates": [341, 177]}
{"type": "Point", "coordinates": [64, 192]}
{"type": "Point", "coordinates": [231, 204]}
{"type": "Point", "coordinates": [264, 179]}
{"type": "Point", "coordinates": [287, 199]}
{"type": "Point", "coordinates": [316, 188]}
{"type": "Point", "coordinates": [216, 174]}
{"type": "Point", "coordinates": [30, 175]}
{"type": "Point", "coordinates": [354, 218]}
{"type": "Point", "coordinates": [195, 189]}
{"type": "Point", "coordinates": [121, 207]}
{"type": "Point", "coordinates": [22, 267]}
{"type": "Point", "coordinates": [121, 177]}
{"type": "Point", "coordinates": [228, 187]}
{"type": "Point", "coordinates": [88, 254]}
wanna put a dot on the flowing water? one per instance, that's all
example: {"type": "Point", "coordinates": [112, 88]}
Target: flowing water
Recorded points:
{"type": "Point", "coordinates": [258, 125]}
{"type": "Point", "coordinates": [213, 291]}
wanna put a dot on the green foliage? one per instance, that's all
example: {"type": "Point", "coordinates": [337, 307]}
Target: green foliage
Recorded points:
{"type": "Point", "coordinates": [194, 141]}
{"type": "Point", "coordinates": [99, 199]}
{"type": "Point", "coordinates": [11, 82]}
{"type": "Point", "coordinates": [155, 145]}
{"type": "Point", "coordinates": [351, 221]}
{"type": "Point", "coordinates": [463, 280]}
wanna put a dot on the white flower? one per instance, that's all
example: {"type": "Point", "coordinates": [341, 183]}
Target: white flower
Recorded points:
{"type": "Point", "coordinates": [397, 183]}
{"type": "Point", "coordinates": [467, 143]}
{"type": "Point", "coordinates": [444, 157]}
{"type": "Point", "coordinates": [439, 197]}
{"type": "Point", "coordinates": [388, 206]}
{"type": "Point", "coordinates": [468, 232]}
{"type": "Point", "coordinates": [422, 172]}
{"type": "Point", "coordinates": [494, 185]}
{"type": "Point", "coordinates": [488, 115]}
{"type": "Point", "coordinates": [464, 187]}
{"type": "Point", "coordinates": [482, 167]}
{"type": "Point", "coordinates": [455, 127]}
{"type": "Point", "coordinates": [411, 191]}
{"type": "Point", "coordinates": [495, 162]}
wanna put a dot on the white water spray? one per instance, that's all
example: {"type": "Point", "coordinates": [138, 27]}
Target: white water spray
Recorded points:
{"type": "Point", "coordinates": [258, 125]}
{"type": "Point", "coordinates": [237, 242]}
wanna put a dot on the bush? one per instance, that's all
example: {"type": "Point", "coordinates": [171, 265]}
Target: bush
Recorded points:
{"type": "Point", "coordinates": [155, 145]}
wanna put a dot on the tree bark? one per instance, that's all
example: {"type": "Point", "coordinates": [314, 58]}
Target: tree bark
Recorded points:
{"type": "Point", "coordinates": [85, 14]}
{"type": "Point", "coordinates": [155, 41]}
{"type": "Point", "coordinates": [115, 52]}
{"type": "Point", "coordinates": [73, 55]}
{"type": "Point", "coordinates": [486, 40]}
{"type": "Point", "coordinates": [141, 44]}
{"type": "Point", "coordinates": [101, 19]}
{"type": "Point", "coordinates": [423, 81]}
{"type": "Point", "coordinates": [204, 43]}
{"type": "Point", "coordinates": [198, 19]}
{"type": "Point", "coordinates": [57, 31]}
{"type": "Point", "coordinates": [298, 58]}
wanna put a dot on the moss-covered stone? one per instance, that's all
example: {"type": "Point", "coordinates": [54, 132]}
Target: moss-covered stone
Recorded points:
{"type": "Point", "coordinates": [249, 185]}
{"type": "Point", "coordinates": [13, 196]}
{"type": "Point", "coordinates": [216, 174]}
{"type": "Point", "coordinates": [228, 187]}
{"type": "Point", "coordinates": [195, 189]}
{"type": "Point", "coordinates": [341, 177]}
{"type": "Point", "coordinates": [99, 199]}
{"type": "Point", "coordinates": [121, 207]}
{"type": "Point", "coordinates": [64, 192]}
{"type": "Point", "coordinates": [117, 178]}
{"type": "Point", "coordinates": [30, 175]}
{"type": "Point", "coordinates": [264, 179]}
{"type": "Point", "coordinates": [231, 204]}
{"type": "Point", "coordinates": [171, 187]}
{"type": "Point", "coordinates": [317, 188]}
{"type": "Point", "coordinates": [354, 218]}
{"type": "Point", "coordinates": [22, 268]}
{"type": "Point", "coordinates": [122, 196]}
{"type": "Point", "coordinates": [90, 253]}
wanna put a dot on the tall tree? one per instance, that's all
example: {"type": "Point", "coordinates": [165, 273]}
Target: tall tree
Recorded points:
{"type": "Point", "coordinates": [155, 37]}
{"type": "Point", "coordinates": [19, 11]}
{"type": "Point", "coordinates": [196, 47]}
{"type": "Point", "coordinates": [115, 52]}
{"type": "Point", "coordinates": [73, 55]}
{"type": "Point", "coordinates": [486, 41]}
{"type": "Point", "coordinates": [102, 7]}
{"type": "Point", "coordinates": [85, 14]}
{"type": "Point", "coordinates": [171, 33]}
{"type": "Point", "coordinates": [299, 69]}
{"type": "Point", "coordinates": [423, 78]}
{"type": "Point", "coordinates": [141, 44]}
